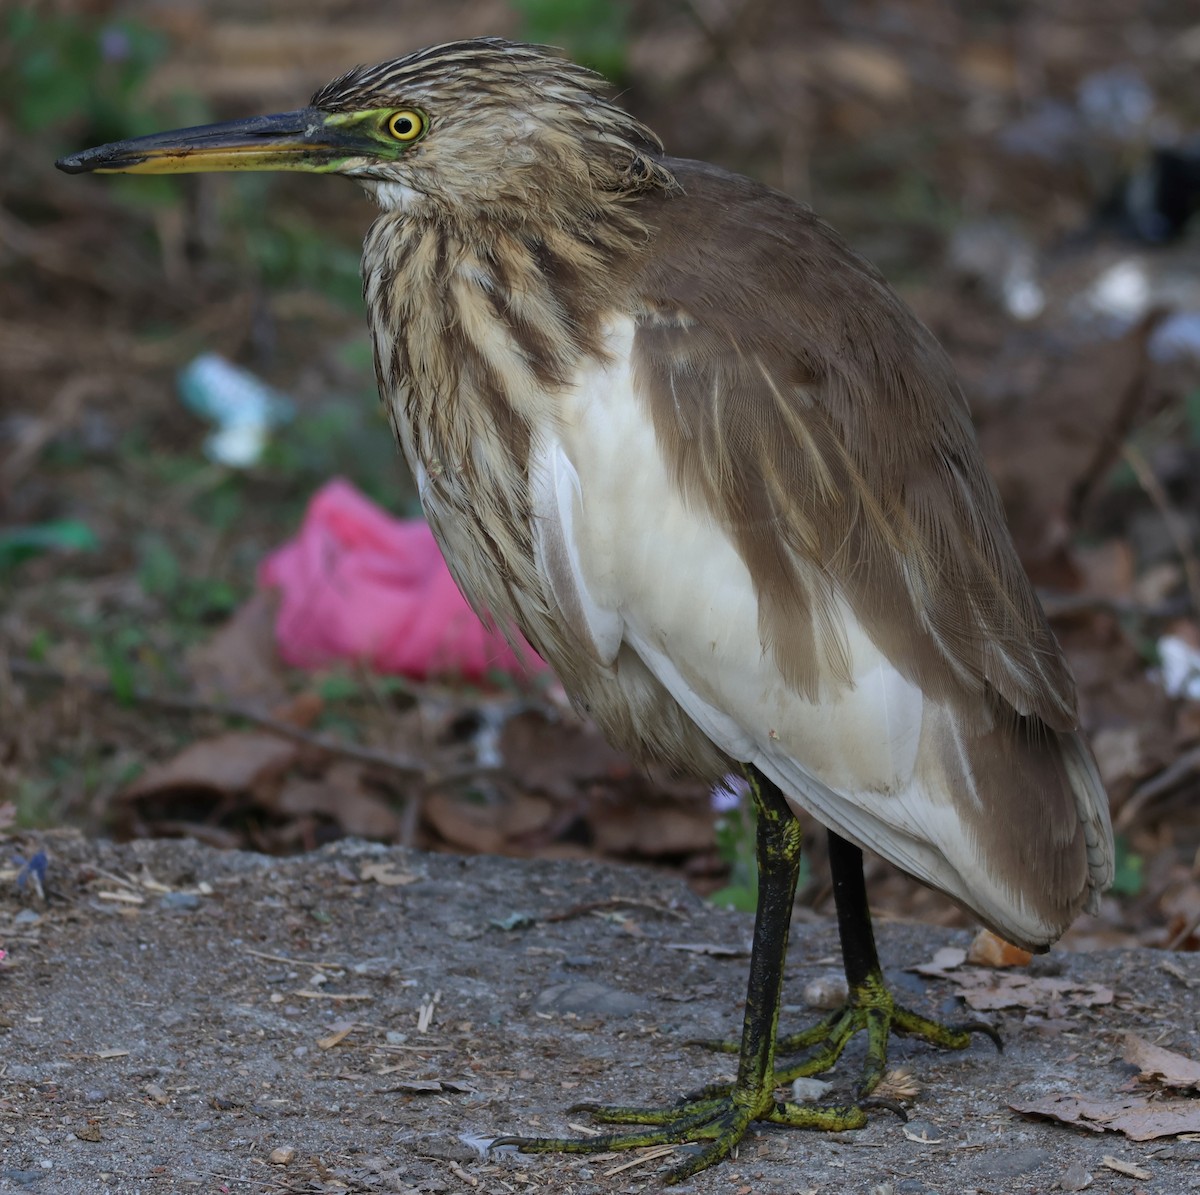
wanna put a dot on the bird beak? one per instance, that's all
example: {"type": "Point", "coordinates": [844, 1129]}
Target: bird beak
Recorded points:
{"type": "Point", "coordinates": [301, 140]}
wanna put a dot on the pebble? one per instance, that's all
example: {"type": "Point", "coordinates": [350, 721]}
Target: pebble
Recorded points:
{"type": "Point", "coordinates": [184, 901]}
{"type": "Point", "coordinates": [826, 991]}
{"type": "Point", "coordinates": [586, 996]}
{"type": "Point", "coordinates": [1012, 1162]}
{"type": "Point", "coordinates": [808, 1091]}
{"type": "Point", "coordinates": [1075, 1178]}
{"type": "Point", "coordinates": [281, 1156]}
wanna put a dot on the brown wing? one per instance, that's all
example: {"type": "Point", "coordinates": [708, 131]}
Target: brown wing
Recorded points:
{"type": "Point", "coordinates": [799, 399]}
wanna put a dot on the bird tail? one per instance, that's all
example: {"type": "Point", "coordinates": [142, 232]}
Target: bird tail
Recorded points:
{"type": "Point", "coordinates": [1036, 825]}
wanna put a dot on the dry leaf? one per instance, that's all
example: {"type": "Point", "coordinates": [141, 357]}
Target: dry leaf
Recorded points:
{"type": "Point", "coordinates": [944, 960]}
{"type": "Point", "coordinates": [335, 1038]}
{"type": "Point", "coordinates": [431, 1086]}
{"type": "Point", "coordinates": [710, 948]}
{"type": "Point", "coordinates": [1164, 1066]}
{"type": "Point", "coordinates": [1138, 1119]}
{"type": "Point", "coordinates": [465, 823]}
{"type": "Point", "coordinates": [386, 875]}
{"type": "Point", "coordinates": [921, 1138]}
{"type": "Point", "coordinates": [987, 991]}
{"type": "Point", "coordinates": [990, 950]}
{"type": "Point", "coordinates": [340, 798]}
{"type": "Point", "coordinates": [238, 662]}
{"type": "Point", "coordinates": [225, 765]}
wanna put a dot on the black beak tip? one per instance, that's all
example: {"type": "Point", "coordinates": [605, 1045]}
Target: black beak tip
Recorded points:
{"type": "Point", "coordinates": [103, 157]}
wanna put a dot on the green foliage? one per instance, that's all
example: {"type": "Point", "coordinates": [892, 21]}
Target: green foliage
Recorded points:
{"type": "Point", "coordinates": [593, 32]}
{"type": "Point", "coordinates": [191, 601]}
{"type": "Point", "coordinates": [117, 653]}
{"type": "Point", "coordinates": [348, 437]}
{"type": "Point", "coordinates": [736, 842]}
{"type": "Point", "coordinates": [65, 535]}
{"type": "Point", "coordinates": [1191, 407]}
{"type": "Point", "coordinates": [62, 69]}
{"type": "Point", "coordinates": [34, 799]}
{"type": "Point", "coordinates": [286, 248]}
{"type": "Point", "coordinates": [1129, 879]}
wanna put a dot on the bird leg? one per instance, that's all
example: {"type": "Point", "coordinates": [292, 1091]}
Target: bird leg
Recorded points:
{"type": "Point", "coordinates": [720, 1120]}
{"type": "Point", "coordinates": [870, 1005]}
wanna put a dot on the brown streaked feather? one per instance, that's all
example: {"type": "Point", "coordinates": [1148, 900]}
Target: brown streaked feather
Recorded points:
{"type": "Point", "coordinates": [840, 441]}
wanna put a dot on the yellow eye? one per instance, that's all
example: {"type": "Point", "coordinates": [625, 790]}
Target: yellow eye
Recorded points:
{"type": "Point", "coordinates": [406, 126]}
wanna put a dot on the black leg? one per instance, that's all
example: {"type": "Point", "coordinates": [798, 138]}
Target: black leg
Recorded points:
{"type": "Point", "coordinates": [871, 1005]}
{"type": "Point", "coordinates": [721, 1119]}
{"type": "Point", "coordinates": [859, 955]}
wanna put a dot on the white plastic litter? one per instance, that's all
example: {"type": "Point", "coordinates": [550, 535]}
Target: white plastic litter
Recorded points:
{"type": "Point", "coordinates": [244, 408]}
{"type": "Point", "coordinates": [1180, 667]}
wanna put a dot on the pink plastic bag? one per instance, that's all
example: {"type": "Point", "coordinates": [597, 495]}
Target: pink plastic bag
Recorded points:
{"type": "Point", "coordinates": [357, 584]}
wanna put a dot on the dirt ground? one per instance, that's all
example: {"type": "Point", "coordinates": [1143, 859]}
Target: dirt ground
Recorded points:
{"type": "Point", "coordinates": [366, 1018]}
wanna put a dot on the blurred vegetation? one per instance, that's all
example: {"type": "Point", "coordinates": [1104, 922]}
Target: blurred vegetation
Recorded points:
{"type": "Point", "coordinates": [74, 79]}
{"type": "Point", "coordinates": [593, 32]}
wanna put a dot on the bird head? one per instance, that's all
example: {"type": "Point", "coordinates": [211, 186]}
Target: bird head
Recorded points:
{"type": "Point", "coordinates": [463, 128]}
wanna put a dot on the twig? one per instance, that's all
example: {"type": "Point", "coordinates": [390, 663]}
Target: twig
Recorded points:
{"type": "Point", "coordinates": [1171, 777]}
{"type": "Point", "coordinates": [1177, 529]}
{"type": "Point", "coordinates": [430, 777]}
{"type": "Point", "coordinates": [594, 906]}
{"type": "Point", "coordinates": [1177, 940]}
{"type": "Point", "coordinates": [295, 962]}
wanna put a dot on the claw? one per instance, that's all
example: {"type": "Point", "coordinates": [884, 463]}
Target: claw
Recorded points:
{"type": "Point", "coordinates": [721, 1122]}
{"type": "Point", "coordinates": [989, 1031]}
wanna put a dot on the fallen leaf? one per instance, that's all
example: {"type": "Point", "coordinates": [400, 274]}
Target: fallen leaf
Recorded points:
{"type": "Point", "coordinates": [464, 823]}
{"type": "Point", "coordinates": [224, 765]}
{"type": "Point", "coordinates": [430, 1086]}
{"type": "Point", "coordinates": [340, 798]}
{"type": "Point", "coordinates": [711, 948]}
{"type": "Point", "coordinates": [1165, 1066]}
{"type": "Point", "coordinates": [922, 1138]}
{"type": "Point", "coordinates": [386, 875]}
{"type": "Point", "coordinates": [987, 991]}
{"type": "Point", "coordinates": [944, 960]}
{"type": "Point", "coordinates": [335, 1038]}
{"type": "Point", "coordinates": [1126, 1168]}
{"type": "Point", "coordinates": [1137, 1119]}
{"type": "Point", "coordinates": [990, 950]}
{"type": "Point", "coordinates": [238, 661]}
{"type": "Point", "coordinates": [513, 921]}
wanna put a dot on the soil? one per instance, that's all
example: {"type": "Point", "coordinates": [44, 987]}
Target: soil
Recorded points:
{"type": "Point", "coordinates": [366, 1018]}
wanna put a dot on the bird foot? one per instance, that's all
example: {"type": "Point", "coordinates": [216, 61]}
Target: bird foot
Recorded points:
{"type": "Point", "coordinates": [871, 1007]}
{"type": "Point", "coordinates": [719, 1123]}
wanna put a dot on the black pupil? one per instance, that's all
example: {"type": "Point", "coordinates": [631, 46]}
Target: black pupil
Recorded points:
{"type": "Point", "coordinates": [402, 126]}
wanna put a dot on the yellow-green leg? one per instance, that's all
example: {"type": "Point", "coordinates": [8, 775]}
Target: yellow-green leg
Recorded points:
{"type": "Point", "coordinates": [870, 1006]}
{"type": "Point", "coordinates": [721, 1119]}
